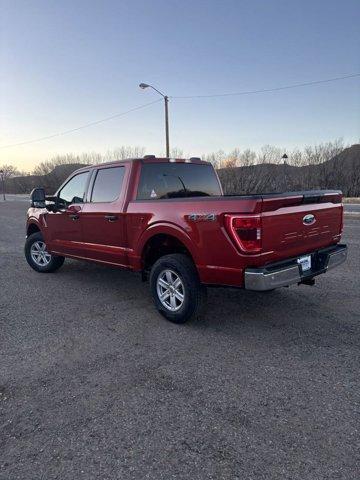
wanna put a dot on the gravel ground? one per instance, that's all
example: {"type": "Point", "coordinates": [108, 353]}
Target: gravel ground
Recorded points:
{"type": "Point", "coordinates": [94, 384]}
{"type": "Point", "coordinates": [352, 207]}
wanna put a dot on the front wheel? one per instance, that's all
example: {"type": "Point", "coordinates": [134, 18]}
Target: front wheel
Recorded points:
{"type": "Point", "coordinates": [177, 292]}
{"type": "Point", "coordinates": [38, 257]}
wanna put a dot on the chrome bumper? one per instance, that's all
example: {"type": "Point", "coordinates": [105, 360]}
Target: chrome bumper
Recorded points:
{"type": "Point", "coordinates": [289, 272]}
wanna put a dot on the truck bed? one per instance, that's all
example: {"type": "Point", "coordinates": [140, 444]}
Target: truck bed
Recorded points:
{"type": "Point", "coordinates": [202, 220]}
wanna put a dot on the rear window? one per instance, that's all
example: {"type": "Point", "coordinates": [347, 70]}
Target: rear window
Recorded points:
{"type": "Point", "coordinates": [107, 184]}
{"type": "Point", "coordinates": [177, 180]}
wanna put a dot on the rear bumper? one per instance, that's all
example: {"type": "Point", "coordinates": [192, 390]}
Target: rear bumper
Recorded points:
{"type": "Point", "coordinates": [289, 272]}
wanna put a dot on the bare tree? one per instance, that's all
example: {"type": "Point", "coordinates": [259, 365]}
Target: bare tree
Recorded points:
{"type": "Point", "coordinates": [325, 165]}
{"type": "Point", "coordinates": [247, 158]}
{"type": "Point", "coordinates": [296, 158]}
{"type": "Point", "coordinates": [9, 171]}
{"type": "Point", "coordinates": [216, 158]}
{"type": "Point", "coordinates": [270, 154]}
{"type": "Point", "coordinates": [124, 152]}
{"type": "Point", "coordinates": [48, 166]}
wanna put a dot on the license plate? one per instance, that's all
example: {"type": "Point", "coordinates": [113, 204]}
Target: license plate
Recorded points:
{"type": "Point", "coordinates": [305, 262]}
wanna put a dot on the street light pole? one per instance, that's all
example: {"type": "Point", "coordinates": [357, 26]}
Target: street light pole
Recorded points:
{"type": "Point", "coordinates": [284, 158]}
{"type": "Point", "coordinates": [166, 103]}
{"type": "Point", "coordinates": [166, 99]}
{"type": "Point", "coordinates": [2, 173]}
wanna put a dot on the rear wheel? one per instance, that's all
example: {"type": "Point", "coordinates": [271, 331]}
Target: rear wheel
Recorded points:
{"type": "Point", "coordinates": [176, 289]}
{"type": "Point", "coordinates": [38, 257]}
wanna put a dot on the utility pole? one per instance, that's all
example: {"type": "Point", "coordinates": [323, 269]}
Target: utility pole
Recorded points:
{"type": "Point", "coordinates": [166, 102]}
{"type": "Point", "coordinates": [166, 99]}
{"type": "Point", "coordinates": [2, 173]}
{"type": "Point", "coordinates": [284, 158]}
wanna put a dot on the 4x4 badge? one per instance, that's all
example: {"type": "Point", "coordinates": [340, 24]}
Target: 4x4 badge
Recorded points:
{"type": "Point", "coordinates": [197, 217]}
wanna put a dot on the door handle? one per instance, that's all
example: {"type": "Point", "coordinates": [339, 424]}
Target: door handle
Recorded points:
{"type": "Point", "coordinates": [74, 217]}
{"type": "Point", "coordinates": [111, 218]}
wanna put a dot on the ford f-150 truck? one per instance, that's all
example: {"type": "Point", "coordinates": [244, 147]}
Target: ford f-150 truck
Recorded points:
{"type": "Point", "coordinates": [169, 220]}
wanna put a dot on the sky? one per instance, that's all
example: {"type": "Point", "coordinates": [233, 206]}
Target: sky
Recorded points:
{"type": "Point", "coordinates": [68, 63]}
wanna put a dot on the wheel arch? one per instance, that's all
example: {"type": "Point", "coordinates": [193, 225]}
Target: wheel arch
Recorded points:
{"type": "Point", "coordinates": [32, 227]}
{"type": "Point", "coordinates": [161, 240]}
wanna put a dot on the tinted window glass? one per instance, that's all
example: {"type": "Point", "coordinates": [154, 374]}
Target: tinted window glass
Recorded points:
{"type": "Point", "coordinates": [107, 184]}
{"type": "Point", "coordinates": [176, 180]}
{"type": "Point", "coordinates": [74, 190]}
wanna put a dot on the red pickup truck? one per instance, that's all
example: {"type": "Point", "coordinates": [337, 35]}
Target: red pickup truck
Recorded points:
{"type": "Point", "coordinates": [169, 220]}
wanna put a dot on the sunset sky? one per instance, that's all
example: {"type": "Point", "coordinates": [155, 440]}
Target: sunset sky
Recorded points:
{"type": "Point", "coordinates": [68, 63]}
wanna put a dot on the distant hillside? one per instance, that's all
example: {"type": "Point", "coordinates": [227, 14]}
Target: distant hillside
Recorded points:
{"type": "Point", "coordinates": [50, 182]}
{"type": "Point", "coordinates": [340, 172]}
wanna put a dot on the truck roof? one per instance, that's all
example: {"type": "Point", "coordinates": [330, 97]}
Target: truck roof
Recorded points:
{"type": "Point", "coordinates": [148, 159]}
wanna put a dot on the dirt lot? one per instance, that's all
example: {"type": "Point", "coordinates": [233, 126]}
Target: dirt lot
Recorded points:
{"type": "Point", "coordinates": [95, 385]}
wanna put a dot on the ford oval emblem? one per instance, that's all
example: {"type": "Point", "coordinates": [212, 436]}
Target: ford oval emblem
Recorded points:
{"type": "Point", "coordinates": [309, 219]}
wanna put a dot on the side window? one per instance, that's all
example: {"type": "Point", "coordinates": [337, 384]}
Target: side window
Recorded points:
{"type": "Point", "coordinates": [74, 190]}
{"type": "Point", "coordinates": [107, 185]}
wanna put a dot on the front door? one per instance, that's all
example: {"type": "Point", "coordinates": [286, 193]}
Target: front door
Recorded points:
{"type": "Point", "coordinates": [102, 217]}
{"type": "Point", "coordinates": [63, 232]}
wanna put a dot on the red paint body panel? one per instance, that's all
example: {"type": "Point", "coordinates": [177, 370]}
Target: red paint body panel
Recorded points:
{"type": "Point", "coordinates": [214, 251]}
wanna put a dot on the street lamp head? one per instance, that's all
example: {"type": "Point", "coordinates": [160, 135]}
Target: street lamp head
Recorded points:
{"type": "Point", "coordinates": [144, 85]}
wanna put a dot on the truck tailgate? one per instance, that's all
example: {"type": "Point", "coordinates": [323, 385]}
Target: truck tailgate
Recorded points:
{"type": "Point", "coordinates": [298, 223]}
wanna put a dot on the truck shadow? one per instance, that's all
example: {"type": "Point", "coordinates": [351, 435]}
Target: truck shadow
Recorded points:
{"type": "Point", "coordinates": [297, 315]}
{"type": "Point", "coordinates": [228, 311]}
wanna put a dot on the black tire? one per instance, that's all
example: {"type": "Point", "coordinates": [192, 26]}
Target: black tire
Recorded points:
{"type": "Point", "coordinates": [53, 264]}
{"type": "Point", "coordinates": [194, 294]}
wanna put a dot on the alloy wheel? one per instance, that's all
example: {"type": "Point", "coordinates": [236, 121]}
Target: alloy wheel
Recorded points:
{"type": "Point", "coordinates": [170, 290]}
{"type": "Point", "coordinates": [39, 254]}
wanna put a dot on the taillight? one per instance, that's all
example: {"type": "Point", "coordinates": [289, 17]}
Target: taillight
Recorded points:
{"type": "Point", "coordinates": [245, 230]}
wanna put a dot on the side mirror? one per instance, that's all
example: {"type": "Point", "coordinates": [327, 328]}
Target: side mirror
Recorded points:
{"type": "Point", "coordinates": [37, 198]}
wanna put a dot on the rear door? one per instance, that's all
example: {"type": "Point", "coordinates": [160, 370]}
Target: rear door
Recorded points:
{"type": "Point", "coordinates": [103, 220]}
